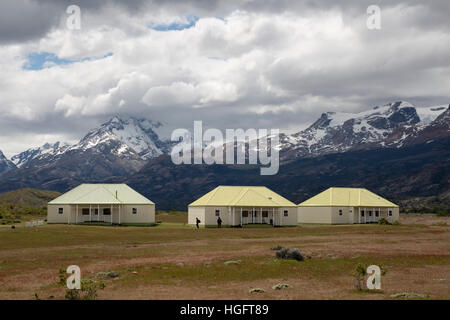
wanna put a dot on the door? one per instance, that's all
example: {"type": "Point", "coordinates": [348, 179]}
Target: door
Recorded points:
{"type": "Point", "coordinates": [245, 217]}
{"type": "Point", "coordinates": [265, 217]}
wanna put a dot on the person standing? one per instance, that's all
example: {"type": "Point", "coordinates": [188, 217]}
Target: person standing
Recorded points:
{"type": "Point", "coordinates": [219, 222]}
{"type": "Point", "coordinates": [197, 222]}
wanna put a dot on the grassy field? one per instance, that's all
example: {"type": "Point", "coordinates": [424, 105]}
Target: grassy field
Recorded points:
{"type": "Point", "coordinates": [175, 261]}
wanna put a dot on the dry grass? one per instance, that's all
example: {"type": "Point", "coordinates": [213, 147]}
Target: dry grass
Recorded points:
{"type": "Point", "coordinates": [173, 261]}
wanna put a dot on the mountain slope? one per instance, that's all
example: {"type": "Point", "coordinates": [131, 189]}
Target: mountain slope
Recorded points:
{"type": "Point", "coordinates": [133, 134]}
{"type": "Point", "coordinates": [29, 197]}
{"type": "Point", "coordinates": [337, 132]}
{"type": "Point", "coordinates": [5, 164]}
{"type": "Point", "coordinates": [417, 170]}
{"type": "Point", "coordinates": [47, 151]}
{"type": "Point", "coordinates": [116, 149]}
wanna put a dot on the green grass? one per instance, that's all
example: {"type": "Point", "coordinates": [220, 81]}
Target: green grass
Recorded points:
{"type": "Point", "coordinates": [172, 216]}
{"type": "Point", "coordinates": [70, 235]}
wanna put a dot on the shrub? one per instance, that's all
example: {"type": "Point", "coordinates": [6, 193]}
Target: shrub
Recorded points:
{"type": "Point", "coordinates": [276, 248]}
{"type": "Point", "coordinates": [289, 254]}
{"type": "Point", "coordinates": [88, 289]}
{"type": "Point", "coordinates": [383, 221]}
{"type": "Point", "coordinates": [360, 273]}
{"type": "Point", "coordinates": [396, 223]}
{"type": "Point", "coordinates": [443, 213]}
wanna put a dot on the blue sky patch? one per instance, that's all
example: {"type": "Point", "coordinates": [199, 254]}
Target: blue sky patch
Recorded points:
{"type": "Point", "coordinates": [191, 21]}
{"type": "Point", "coordinates": [41, 60]}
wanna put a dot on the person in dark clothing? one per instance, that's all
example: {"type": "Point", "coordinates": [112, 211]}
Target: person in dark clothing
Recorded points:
{"type": "Point", "coordinates": [197, 221]}
{"type": "Point", "coordinates": [219, 222]}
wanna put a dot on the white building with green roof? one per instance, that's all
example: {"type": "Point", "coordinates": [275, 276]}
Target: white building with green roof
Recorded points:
{"type": "Point", "coordinates": [110, 203]}
{"type": "Point", "coordinates": [242, 205]}
{"type": "Point", "coordinates": [347, 206]}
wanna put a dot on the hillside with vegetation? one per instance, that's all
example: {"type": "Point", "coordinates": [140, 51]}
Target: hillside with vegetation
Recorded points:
{"type": "Point", "coordinates": [24, 204]}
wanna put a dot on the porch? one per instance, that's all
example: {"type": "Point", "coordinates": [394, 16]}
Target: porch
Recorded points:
{"type": "Point", "coordinates": [110, 213]}
{"type": "Point", "coordinates": [239, 216]}
{"type": "Point", "coordinates": [374, 215]}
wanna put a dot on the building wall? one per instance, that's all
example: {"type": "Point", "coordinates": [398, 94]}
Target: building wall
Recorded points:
{"type": "Point", "coordinates": [347, 217]}
{"type": "Point", "coordinates": [145, 214]}
{"type": "Point", "coordinates": [207, 216]}
{"type": "Point", "coordinates": [196, 212]}
{"type": "Point", "coordinates": [54, 217]}
{"type": "Point", "coordinates": [314, 215]}
{"type": "Point", "coordinates": [291, 219]}
{"type": "Point", "coordinates": [350, 215]}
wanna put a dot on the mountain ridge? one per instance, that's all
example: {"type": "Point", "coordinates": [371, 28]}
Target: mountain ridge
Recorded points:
{"type": "Point", "coordinates": [130, 150]}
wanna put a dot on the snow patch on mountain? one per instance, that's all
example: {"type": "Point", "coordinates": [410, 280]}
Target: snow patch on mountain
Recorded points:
{"type": "Point", "coordinates": [134, 135]}
{"type": "Point", "coordinates": [5, 164]}
{"type": "Point", "coordinates": [340, 131]}
{"type": "Point", "coordinates": [46, 150]}
{"type": "Point", "coordinates": [429, 114]}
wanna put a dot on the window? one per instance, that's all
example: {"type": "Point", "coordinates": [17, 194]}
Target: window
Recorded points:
{"type": "Point", "coordinates": [96, 211]}
{"type": "Point", "coordinates": [390, 213]}
{"type": "Point", "coordinates": [370, 213]}
{"type": "Point", "coordinates": [106, 211]}
{"type": "Point", "coordinates": [60, 210]}
{"type": "Point", "coordinates": [286, 213]}
{"type": "Point", "coordinates": [265, 214]}
{"type": "Point", "coordinates": [217, 213]}
{"type": "Point", "coordinates": [362, 213]}
{"type": "Point", "coordinates": [134, 210]}
{"type": "Point", "coordinates": [85, 211]}
{"type": "Point", "coordinates": [377, 213]}
{"type": "Point", "coordinates": [245, 214]}
{"type": "Point", "coordinates": [340, 212]}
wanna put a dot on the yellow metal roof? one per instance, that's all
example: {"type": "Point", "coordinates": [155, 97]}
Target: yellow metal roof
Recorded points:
{"type": "Point", "coordinates": [101, 194]}
{"type": "Point", "coordinates": [242, 196]}
{"type": "Point", "coordinates": [347, 197]}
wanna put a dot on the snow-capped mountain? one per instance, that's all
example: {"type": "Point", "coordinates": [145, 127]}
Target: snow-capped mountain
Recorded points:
{"type": "Point", "coordinates": [5, 164]}
{"type": "Point", "coordinates": [113, 151]}
{"type": "Point", "coordinates": [337, 132]}
{"type": "Point", "coordinates": [47, 151]}
{"type": "Point", "coordinates": [125, 138]}
{"type": "Point", "coordinates": [132, 136]}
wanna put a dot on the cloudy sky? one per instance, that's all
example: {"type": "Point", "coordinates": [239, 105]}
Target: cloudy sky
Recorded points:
{"type": "Point", "coordinates": [260, 64]}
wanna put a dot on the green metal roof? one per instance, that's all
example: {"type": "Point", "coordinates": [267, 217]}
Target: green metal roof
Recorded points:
{"type": "Point", "coordinates": [101, 194]}
{"type": "Point", "coordinates": [348, 197]}
{"type": "Point", "coordinates": [242, 196]}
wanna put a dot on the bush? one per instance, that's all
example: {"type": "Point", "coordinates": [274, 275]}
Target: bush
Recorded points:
{"type": "Point", "coordinates": [396, 223]}
{"type": "Point", "coordinates": [88, 289]}
{"type": "Point", "coordinates": [443, 213]}
{"type": "Point", "coordinates": [289, 254]}
{"type": "Point", "coordinates": [276, 248]}
{"type": "Point", "coordinates": [383, 221]}
{"type": "Point", "coordinates": [360, 273]}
